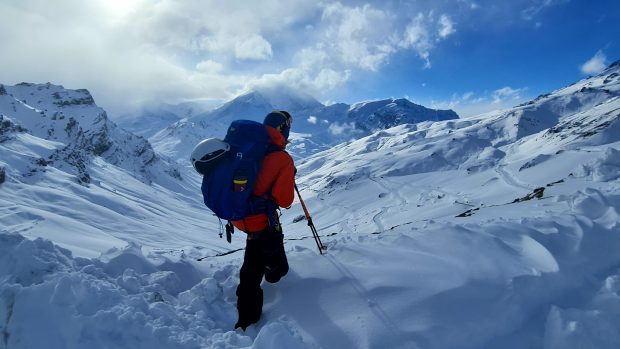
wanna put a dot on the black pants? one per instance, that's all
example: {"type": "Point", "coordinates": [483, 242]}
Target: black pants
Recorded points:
{"type": "Point", "coordinates": [264, 256]}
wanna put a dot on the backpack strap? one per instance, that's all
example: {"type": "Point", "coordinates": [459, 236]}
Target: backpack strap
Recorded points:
{"type": "Point", "coordinates": [272, 148]}
{"type": "Point", "coordinates": [273, 217]}
{"type": "Point", "coordinates": [265, 204]}
{"type": "Point", "coordinates": [230, 229]}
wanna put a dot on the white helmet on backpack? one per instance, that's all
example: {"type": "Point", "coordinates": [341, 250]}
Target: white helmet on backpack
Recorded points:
{"type": "Point", "coordinates": [207, 154]}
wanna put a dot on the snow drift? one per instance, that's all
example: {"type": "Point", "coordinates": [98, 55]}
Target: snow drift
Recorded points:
{"type": "Point", "coordinates": [500, 230]}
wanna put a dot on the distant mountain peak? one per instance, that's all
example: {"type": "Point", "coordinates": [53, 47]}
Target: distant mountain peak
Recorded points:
{"type": "Point", "coordinates": [251, 97]}
{"type": "Point", "coordinates": [385, 113]}
{"type": "Point", "coordinates": [79, 130]}
{"type": "Point", "coordinates": [317, 126]}
{"type": "Point", "coordinates": [284, 98]}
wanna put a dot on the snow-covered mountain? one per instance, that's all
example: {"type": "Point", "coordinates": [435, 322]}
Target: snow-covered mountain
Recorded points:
{"type": "Point", "coordinates": [316, 126]}
{"type": "Point", "coordinates": [378, 115]}
{"type": "Point", "coordinates": [68, 172]}
{"type": "Point", "coordinates": [495, 231]}
{"type": "Point", "coordinates": [583, 113]}
{"type": "Point", "coordinates": [76, 131]}
{"type": "Point", "coordinates": [151, 119]}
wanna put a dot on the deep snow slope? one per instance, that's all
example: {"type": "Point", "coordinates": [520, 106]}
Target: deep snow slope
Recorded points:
{"type": "Point", "coordinates": [72, 176]}
{"type": "Point", "coordinates": [497, 231]}
{"type": "Point", "coordinates": [401, 271]}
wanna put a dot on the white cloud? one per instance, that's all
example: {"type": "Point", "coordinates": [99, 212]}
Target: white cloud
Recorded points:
{"type": "Point", "coordinates": [467, 96]}
{"type": "Point", "coordinates": [470, 103]}
{"type": "Point", "coordinates": [209, 67]}
{"type": "Point", "coordinates": [254, 47]}
{"type": "Point", "coordinates": [292, 77]}
{"type": "Point", "coordinates": [446, 27]}
{"type": "Point", "coordinates": [137, 51]}
{"type": "Point", "coordinates": [471, 4]}
{"type": "Point", "coordinates": [330, 79]}
{"type": "Point", "coordinates": [221, 27]}
{"type": "Point", "coordinates": [337, 128]}
{"type": "Point", "coordinates": [307, 80]}
{"type": "Point", "coordinates": [594, 65]}
{"type": "Point", "coordinates": [360, 36]}
{"type": "Point", "coordinates": [538, 6]}
{"type": "Point", "coordinates": [417, 36]}
{"type": "Point", "coordinates": [365, 37]}
{"type": "Point", "coordinates": [507, 93]}
{"type": "Point", "coordinates": [420, 36]}
{"type": "Point", "coordinates": [312, 120]}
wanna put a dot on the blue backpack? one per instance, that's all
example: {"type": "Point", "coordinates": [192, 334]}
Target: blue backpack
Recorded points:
{"type": "Point", "coordinates": [227, 187]}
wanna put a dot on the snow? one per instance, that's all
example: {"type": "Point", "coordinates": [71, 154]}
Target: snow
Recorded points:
{"type": "Point", "coordinates": [435, 239]}
{"type": "Point", "coordinates": [496, 280]}
{"type": "Point", "coordinates": [338, 122]}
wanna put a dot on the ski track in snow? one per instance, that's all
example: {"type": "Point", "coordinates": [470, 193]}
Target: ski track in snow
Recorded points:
{"type": "Point", "coordinates": [511, 179]}
{"type": "Point", "coordinates": [377, 219]}
{"type": "Point", "coordinates": [364, 295]}
{"type": "Point", "coordinates": [393, 192]}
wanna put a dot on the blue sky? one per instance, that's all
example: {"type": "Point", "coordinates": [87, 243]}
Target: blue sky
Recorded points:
{"type": "Point", "coordinates": [469, 55]}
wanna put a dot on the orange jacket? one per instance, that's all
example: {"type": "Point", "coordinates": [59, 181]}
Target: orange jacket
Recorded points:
{"type": "Point", "coordinates": [278, 174]}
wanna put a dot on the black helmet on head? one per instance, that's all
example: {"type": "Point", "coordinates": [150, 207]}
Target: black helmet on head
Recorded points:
{"type": "Point", "coordinates": [280, 118]}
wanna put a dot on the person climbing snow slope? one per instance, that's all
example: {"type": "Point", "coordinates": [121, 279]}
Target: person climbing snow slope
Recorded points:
{"type": "Point", "coordinates": [264, 252]}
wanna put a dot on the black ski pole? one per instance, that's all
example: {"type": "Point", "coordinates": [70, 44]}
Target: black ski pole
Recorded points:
{"type": "Point", "coordinates": [316, 236]}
